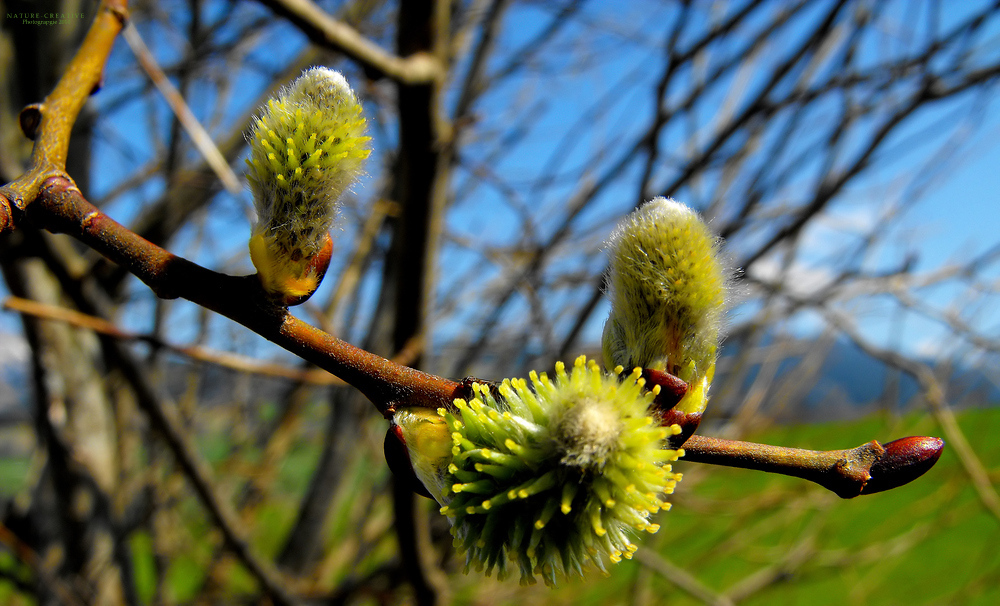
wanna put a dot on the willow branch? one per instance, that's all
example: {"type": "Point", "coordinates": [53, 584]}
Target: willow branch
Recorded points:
{"type": "Point", "coordinates": [866, 469]}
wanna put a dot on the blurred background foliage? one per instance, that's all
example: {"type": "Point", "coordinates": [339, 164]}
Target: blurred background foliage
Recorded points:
{"type": "Point", "coordinates": [844, 149]}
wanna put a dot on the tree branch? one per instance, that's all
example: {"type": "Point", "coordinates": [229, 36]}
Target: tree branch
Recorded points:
{"type": "Point", "coordinates": [321, 28]}
{"type": "Point", "coordinates": [165, 421]}
{"type": "Point", "coordinates": [867, 469]}
{"type": "Point", "coordinates": [311, 376]}
{"type": "Point", "coordinates": [199, 136]}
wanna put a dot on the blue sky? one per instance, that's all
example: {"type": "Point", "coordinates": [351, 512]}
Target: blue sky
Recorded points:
{"type": "Point", "coordinates": [954, 219]}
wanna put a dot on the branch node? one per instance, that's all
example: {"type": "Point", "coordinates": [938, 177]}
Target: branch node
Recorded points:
{"type": "Point", "coordinates": [853, 470]}
{"type": "Point", "coordinates": [119, 10]}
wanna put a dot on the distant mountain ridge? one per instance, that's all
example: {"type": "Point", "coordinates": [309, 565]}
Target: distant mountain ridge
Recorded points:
{"type": "Point", "coordinates": [852, 384]}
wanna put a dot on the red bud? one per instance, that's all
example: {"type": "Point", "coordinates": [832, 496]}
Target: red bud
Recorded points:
{"type": "Point", "coordinates": [905, 460]}
{"type": "Point", "coordinates": [688, 423]}
{"type": "Point", "coordinates": [672, 388]}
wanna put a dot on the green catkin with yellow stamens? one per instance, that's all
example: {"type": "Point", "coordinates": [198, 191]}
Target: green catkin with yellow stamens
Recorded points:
{"type": "Point", "coordinates": [306, 148]}
{"type": "Point", "coordinates": [668, 284]}
{"type": "Point", "coordinates": [552, 476]}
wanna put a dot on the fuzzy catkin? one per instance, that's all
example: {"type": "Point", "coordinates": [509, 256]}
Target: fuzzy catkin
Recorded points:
{"type": "Point", "coordinates": [307, 147]}
{"type": "Point", "coordinates": [554, 476]}
{"type": "Point", "coordinates": [667, 285]}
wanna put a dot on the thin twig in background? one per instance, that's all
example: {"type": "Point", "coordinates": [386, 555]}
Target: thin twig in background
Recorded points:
{"type": "Point", "coordinates": [166, 422]}
{"type": "Point", "coordinates": [195, 352]}
{"type": "Point", "coordinates": [69, 595]}
{"type": "Point", "coordinates": [224, 359]}
{"type": "Point", "coordinates": [681, 578]}
{"type": "Point", "coordinates": [325, 30]}
{"type": "Point", "coordinates": [199, 136]}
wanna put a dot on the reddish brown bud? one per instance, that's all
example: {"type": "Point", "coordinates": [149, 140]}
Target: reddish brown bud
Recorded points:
{"type": "Point", "coordinates": [6, 220]}
{"type": "Point", "coordinates": [905, 460]}
{"type": "Point", "coordinates": [672, 388]}
{"type": "Point", "coordinates": [688, 423]}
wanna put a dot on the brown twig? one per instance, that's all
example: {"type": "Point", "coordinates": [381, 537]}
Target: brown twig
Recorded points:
{"type": "Point", "coordinates": [681, 578]}
{"type": "Point", "coordinates": [797, 556]}
{"type": "Point", "coordinates": [199, 136]}
{"type": "Point", "coordinates": [350, 276]}
{"type": "Point", "coordinates": [866, 469]}
{"type": "Point", "coordinates": [166, 421]}
{"type": "Point", "coordinates": [66, 592]}
{"type": "Point", "coordinates": [324, 30]}
{"type": "Point", "coordinates": [311, 376]}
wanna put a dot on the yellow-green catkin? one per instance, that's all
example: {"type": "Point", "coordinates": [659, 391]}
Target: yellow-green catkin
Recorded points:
{"type": "Point", "coordinates": [667, 283]}
{"type": "Point", "coordinates": [551, 476]}
{"type": "Point", "coordinates": [306, 148]}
